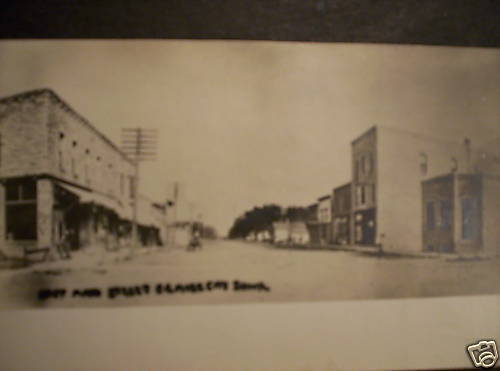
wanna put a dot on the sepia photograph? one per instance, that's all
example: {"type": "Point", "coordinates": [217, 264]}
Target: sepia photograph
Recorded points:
{"type": "Point", "coordinates": [169, 172]}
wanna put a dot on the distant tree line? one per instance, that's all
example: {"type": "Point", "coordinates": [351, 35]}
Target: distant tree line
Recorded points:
{"type": "Point", "coordinates": [261, 218]}
{"type": "Point", "coordinates": [206, 231]}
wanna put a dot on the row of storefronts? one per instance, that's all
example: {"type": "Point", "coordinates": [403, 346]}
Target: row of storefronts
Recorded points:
{"type": "Point", "coordinates": [414, 194]}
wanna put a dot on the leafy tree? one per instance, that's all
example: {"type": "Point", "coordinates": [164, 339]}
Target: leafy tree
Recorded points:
{"type": "Point", "coordinates": [261, 219]}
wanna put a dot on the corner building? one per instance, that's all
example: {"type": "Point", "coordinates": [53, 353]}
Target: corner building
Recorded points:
{"type": "Point", "coordinates": [397, 174]}
{"type": "Point", "coordinates": [59, 176]}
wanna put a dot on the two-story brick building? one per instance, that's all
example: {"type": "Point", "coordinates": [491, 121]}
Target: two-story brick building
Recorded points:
{"type": "Point", "coordinates": [61, 178]}
{"type": "Point", "coordinates": [461, 208]}
{"type": "Point", "coordinates": [398, 179]}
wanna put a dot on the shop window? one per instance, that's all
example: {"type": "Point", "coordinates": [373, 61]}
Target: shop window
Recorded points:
{"type": "Point", "coordinates": [12, 192]}
{"type": "Point", "coordinates": [470, 218]}
{"type": "Point", "coordinates": [21, 190]}
{"type": "Point", "coordinates": [20, 209]}
{"type": "Point", "coordinates": [21, 221]}
{"type": "Point", "coordinates": [431, 222]}
{"type": "Point", "coordinates": [446, 214]}
{"type": "Point", "coordinates": [359, 233]}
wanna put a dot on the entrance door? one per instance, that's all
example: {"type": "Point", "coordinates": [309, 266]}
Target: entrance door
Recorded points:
{"type": "Point", "coordinates": [364, 227]}
{"type": "Point", "coordinates": [59, 228]}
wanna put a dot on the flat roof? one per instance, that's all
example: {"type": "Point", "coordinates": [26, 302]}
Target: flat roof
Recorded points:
{"type": "Point", "coordinates": [39, 92]}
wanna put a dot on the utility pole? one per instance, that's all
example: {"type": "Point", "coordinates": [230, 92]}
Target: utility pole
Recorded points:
{"type": "Point", "coordinates": [176, 203]}
{"type": "Point", "coordinates": [139, 145]}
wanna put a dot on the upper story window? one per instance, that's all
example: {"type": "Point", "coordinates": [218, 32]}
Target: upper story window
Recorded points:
{"type": "Point", "coordinates": [61, 153]}
{"type": "Point", "coordinates": [369, 163]}
{"type": "Point", "coordinates": [423, 163]}
{"type": "Point", "coordinates": [121, 184]}
{"type": "Point", "coordinates": [61, 161]}
{"type": "Point", "coordinates": [360, 195]}
{"type": "Point", "coordinates": [132, 186]}
{"type": "Point", "coordinates": [454, 165]}
{"type": "Point", "coordinates": [363, 195]}
{"type": "Point", "coordinates": [73, 168]}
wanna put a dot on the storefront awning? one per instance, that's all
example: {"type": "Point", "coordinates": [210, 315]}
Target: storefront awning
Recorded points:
{"type": "Point", "coordinates": [93, 197]}
{"type": "Point", "coordinates": [145, 209]}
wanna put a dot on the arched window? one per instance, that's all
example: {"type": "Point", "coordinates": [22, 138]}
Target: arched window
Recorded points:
{"type": "Point", "coordinates": [423, 163]}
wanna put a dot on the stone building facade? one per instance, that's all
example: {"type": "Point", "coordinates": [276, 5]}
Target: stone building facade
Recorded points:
{"type": "Point", "coordinates": [61, 178]}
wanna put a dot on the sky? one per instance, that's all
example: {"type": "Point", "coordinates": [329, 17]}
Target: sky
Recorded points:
{"type": "Point", "coordinates": [245, 123]}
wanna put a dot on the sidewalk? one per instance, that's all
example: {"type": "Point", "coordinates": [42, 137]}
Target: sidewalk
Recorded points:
{"type": "Point", "coordinates": [94, 257]}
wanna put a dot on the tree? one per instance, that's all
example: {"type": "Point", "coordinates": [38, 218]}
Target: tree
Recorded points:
{"type": "Point", "coordinates": [256, 220]}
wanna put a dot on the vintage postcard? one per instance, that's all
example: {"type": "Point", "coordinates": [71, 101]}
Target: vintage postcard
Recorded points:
{"type": "Point", "coordinates": [219, 172]}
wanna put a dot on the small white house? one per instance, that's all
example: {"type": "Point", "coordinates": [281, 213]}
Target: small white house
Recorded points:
{"type": "Point", "coordinates": [291, 232]}
{"type": "Point", "coordinates": [299, 233]}
{"type": "Point", "coordinates": [281, 232]}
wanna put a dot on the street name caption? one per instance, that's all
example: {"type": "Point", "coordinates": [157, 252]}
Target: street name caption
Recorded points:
{"type": "Point", "coordinates": [114, 292]}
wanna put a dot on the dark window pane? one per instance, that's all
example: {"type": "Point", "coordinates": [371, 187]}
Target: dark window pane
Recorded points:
{"type": "Point", "coordinates": [446, 214]}
{"type": "Point", "coordinates": [470, 218]}
{"type": "Point", "coordinates": [430, 216]}
{"type": "Point", "coordinates": [12, 191]}
{"type": "Point", "coordinates": [28, 190]}
{"type": "Point", "coordinates": [21, 221]}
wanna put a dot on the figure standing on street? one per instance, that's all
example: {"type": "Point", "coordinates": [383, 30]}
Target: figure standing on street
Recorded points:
{"type": "Point", "coordinates": [195, 240]}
